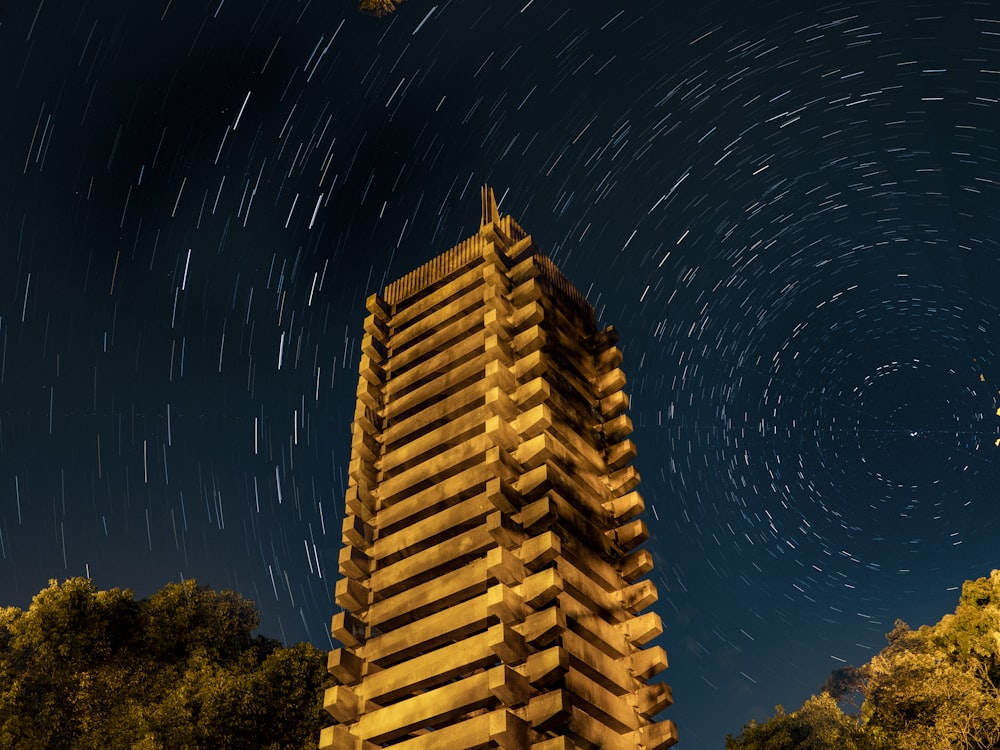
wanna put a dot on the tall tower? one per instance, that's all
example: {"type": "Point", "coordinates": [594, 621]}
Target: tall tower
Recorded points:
{"type": "Point", "coordinates": [491, 588]}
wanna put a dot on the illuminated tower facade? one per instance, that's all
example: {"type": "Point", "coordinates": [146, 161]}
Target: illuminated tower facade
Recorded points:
{"type": "Point", "coordinates": [492, 588]}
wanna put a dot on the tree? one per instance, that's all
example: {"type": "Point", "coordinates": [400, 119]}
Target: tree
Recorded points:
{"type": "Point", "coordinates": [847, 685]}
{"type": "Point", "coordinates": [938, 686]}
{"type": "Point", "coordinates": [818, 725]}
{"type": "Point", "coordinates": [50, 658]}
{"type": "Point", "coordinates": [378, 7]}
{"type": "Point", "coordinates": [934, 687]}
{"type": "Point", "coordinates": [184, 616]}
{"type": "Point", "coordinates": [85, 669]}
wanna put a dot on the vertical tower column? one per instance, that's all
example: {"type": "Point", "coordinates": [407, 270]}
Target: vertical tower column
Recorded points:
{"type": "Point", "coordinates": [491, 588]}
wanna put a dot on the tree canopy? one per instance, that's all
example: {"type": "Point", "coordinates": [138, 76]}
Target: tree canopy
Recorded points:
{"type": "Point", "coordinates": [378, 7]}
{"type": "Point", "coordinates": [934, 687]}
{"type": "Point", "coordinates": [818, 725]}
{"type": "Point", "coordinates": [82, 668]}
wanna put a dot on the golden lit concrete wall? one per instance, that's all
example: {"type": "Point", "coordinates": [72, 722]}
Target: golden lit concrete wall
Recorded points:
{"type": "Point", "coordinates": [492, 592]}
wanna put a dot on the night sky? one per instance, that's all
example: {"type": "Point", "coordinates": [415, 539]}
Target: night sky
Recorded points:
{"type": "Point", "coordinates": [791, 216]}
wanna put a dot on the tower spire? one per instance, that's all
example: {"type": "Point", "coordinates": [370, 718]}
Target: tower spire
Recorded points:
{"type": "Point", "coordinates": [490, 214]}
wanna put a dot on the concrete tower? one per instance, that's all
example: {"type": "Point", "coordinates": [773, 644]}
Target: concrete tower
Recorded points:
{"type": "Point", "coordinates": [492, 589]}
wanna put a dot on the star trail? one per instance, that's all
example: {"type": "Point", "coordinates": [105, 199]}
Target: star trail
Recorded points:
{"type": "Point", "coordinates": [789, 213]}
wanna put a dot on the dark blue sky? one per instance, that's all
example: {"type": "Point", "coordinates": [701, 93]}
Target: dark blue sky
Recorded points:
{"type": "Point", "coordinates": [790, 215]}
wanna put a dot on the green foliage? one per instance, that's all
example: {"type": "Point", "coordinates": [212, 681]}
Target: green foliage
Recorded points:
{"type": "Point", "coordinates": [935, 687]}
{"type": "Point", "coordinates": [83, 668]}
{"type": "Point", "coordinates": [818, 725]}
{"type": "Point", "coordinates": [846, 685]}
{"type": "Point", "coordinates": [938, 686]}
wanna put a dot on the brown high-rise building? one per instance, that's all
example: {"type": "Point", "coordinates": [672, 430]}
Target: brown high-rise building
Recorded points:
{"type": "Point", "coordinates": [492, 591]}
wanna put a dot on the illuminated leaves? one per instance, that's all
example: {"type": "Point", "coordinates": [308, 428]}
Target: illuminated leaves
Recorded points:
{"type": "Point", "coordinates": [818, 725]}
{"type": "Point", "coordinates": [935, 687]}
{"type": "Point", "coordinates": [84, 668]}
{"type": "Point", "coordinates": [378, 7]}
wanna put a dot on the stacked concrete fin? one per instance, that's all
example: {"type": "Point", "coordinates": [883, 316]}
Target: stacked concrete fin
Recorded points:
{"type": "Point", "coordinates": [492, 588]}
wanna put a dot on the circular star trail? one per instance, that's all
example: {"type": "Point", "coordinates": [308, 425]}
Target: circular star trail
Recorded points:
{"type": "Point", "coordinates": [789, 213]}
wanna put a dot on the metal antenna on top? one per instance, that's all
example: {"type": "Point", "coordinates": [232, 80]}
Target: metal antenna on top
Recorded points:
{"type": "Point", "coordinates": [490, 214]}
